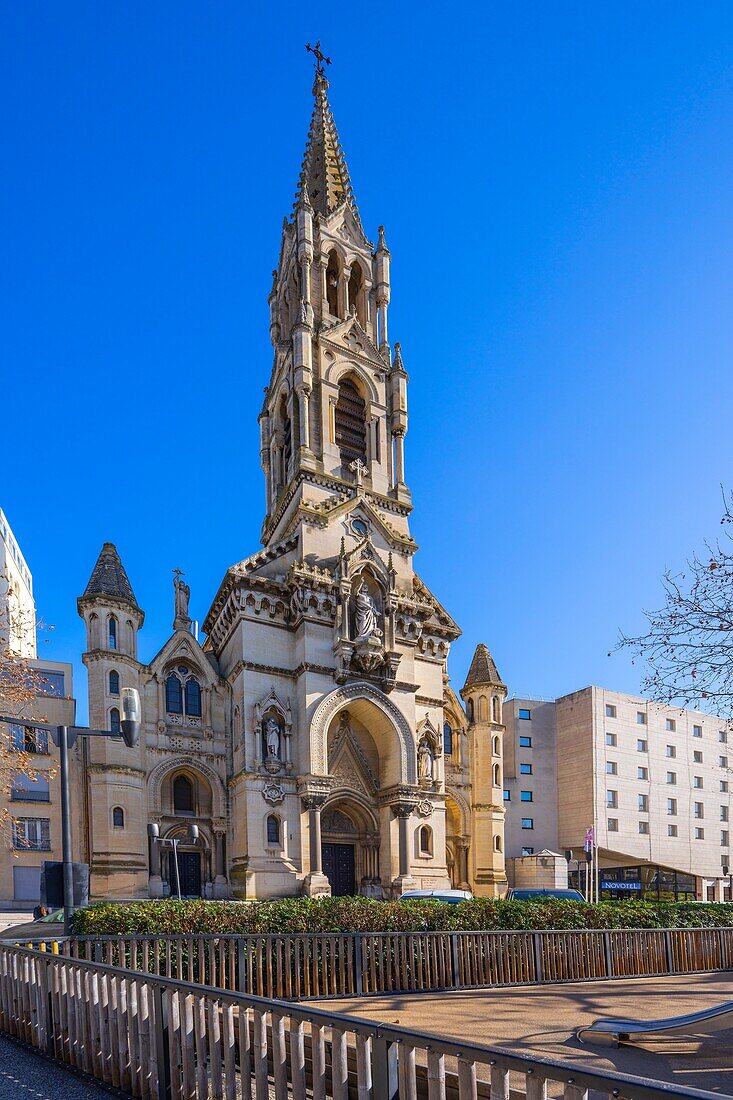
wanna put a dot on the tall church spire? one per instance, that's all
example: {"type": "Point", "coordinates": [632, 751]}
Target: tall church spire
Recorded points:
{"type": "Point", "coordinates": [324, 178]}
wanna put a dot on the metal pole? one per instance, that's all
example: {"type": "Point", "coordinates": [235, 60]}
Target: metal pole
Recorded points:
{"type": "Point", "coordinates": [68, 868]}
{"type": "Point", "coordinates": [175, 864]}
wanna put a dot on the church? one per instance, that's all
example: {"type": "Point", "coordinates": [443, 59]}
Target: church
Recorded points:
{"type": "Point", "coordinates": [313, 736]}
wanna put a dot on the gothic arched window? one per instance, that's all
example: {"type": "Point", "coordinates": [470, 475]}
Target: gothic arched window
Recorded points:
{"type": "Point", "coordinates": [173, 695]}
{"type": "Point", "coordinates": [469, 710]}
{"type": "Point", "coordinates": [114, 683]}
{"type": "Point", "coordinates": [497, 746]}
{"type": "Point", "coordinates": [182, 795]}
{"type": "Point", "coordinates": [273, 829]}
{"type": "Point", "coordinates": [497, 775]}
{"type": "Point", "coordinates": [356, 293]}
{"type": "Point", "coordinates": [193, 697]}
{"type": "Point", "coordinates": [333, 280]}
{"type": "Point", "coordinates": [447, 739]}
{"type": "Point", "coordinates": [118, 817]}
{"type": "Point", "coordinates": [426, 840]}
{"type": "Point", "coordinates": [114, 720]}
{"type": "Point", "coordinates": [350, 422]}
{"type": "Point", "coordinates": [287, 430]}
{"type": "Point", "coordinates": [112, 632]}
{"type": "Point", "coordinates": [483, 709]}
{"type": "Point", "coordinates": [495, 708]}
{"type": "Point", "coordinates": [497, 843]}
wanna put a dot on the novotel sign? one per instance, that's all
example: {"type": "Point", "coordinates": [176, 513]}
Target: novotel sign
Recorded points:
{"type": "Point", "coordinates": [611, 884]}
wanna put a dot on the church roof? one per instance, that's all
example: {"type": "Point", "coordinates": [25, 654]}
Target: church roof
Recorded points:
{"type": "Point", "coordinates": [324, 177]}
{"type": "Point", "coordinates": [482, 670]}
{"type": "Point", "coordinates": [109, 578]}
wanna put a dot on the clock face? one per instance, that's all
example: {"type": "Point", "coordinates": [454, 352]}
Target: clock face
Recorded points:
{"type": "Point", "coordinates": [359, 527]}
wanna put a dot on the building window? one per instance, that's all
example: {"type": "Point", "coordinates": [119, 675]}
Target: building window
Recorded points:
{"type": "Point", "coordinates": [697, 757]}
{"type": "Point", "coordinates": [723, 786]}
{"type": "Point", "coordinates": [497, 746]}
{"type": "Point", "coordinates": [182, 795]}
{"type": "Point", "coordinates": [722, 737]}
{"type": "Point", "coordinates": [525, 769]}
{"type": "Point", "coordinates": [507, 796]}
{"type": "Point", "coordinates": [23, 739]}
{"type": "Point", "coordinates": [528, 823]}
{"type": "Point", "coordinates": [118, 817]}
{"type": "Point", "coordinates": [722, 761]}
{"type": "Point", "coordinates": [670, 725]}
{"type": "Point", "coordinates": [642, 773]}
{"type": "Point", "coordinates": [697, 782]}
{"type": "Point", "coordinates": [612, 799]}
{"type": "Point", "coordinates": [525, 796]}
{"type": "Point", "coordinates": [613, 824]}
{"type": "Point", "coordinates": [497, 843]}
{"type": "Point", "coordinates": [670, 751]}
{"type": "Point", "coordinates": [610, 710]}
{"type": "Point", "coordinates": [724, 838]}
{"type": "Point", "coordinates": [697, 731]}
{"type": "Point", "coordinates": [672, 807]}
{"type": "Point", "coordinates": [193, 697]}
{"type": "Point", "coordinates": [497, 775]}
{"type": "Point", "coordinates": [273, 829]}
{"type": "Point", "coordinates": [114, 721]}
{"type": "Point", "coordinates": [25, 789]}
{"type": "Point", "coordinates": [114, 683]}
{"type": "Point", "coordinates": [527, 851]}
{"type": "Point", "coordinates": [525, 715]}
{"type": "Point", "coordinates": [640, 718]}
{"type": "Point", "coordinates": [644, 828]}
{"type": "Point", "coordinates": [350, 423]}
{"type": "Point", "coordinates": [611, 739]}
{"type": "Point", "coordinates": [699, 810]}
{"type": "Point", "coordinates": [112, 632]}
{"type": "Point", "coordinates": [641, 745]}
{"type": "Point", "coordinates": [723, 813]}
{"type": "Point", "coordinates": [173, 695]}
{"type": "Point", "coordinates": [671, 830]}
{"type": "Point", "coordinates": [611, 767]}
{"type": "Point", "coordinates": [469, 710]}
{"type": "Point", "coordinates": [699, 834]}
{"type": "Point", "coordinates": [447, 739]}
{"type": "Point", "coordinates": [32, 833]}
{"type": "Point", "coordinates": [51, 683]}
{"type": "Point", "coordinates": [672, 777]}
{"type": "Point", "coordinates": [643, 803]}
{"type": "Point", "coordinates": [426, 840]}
{"type": "Point", "coordinates": [525, 742]}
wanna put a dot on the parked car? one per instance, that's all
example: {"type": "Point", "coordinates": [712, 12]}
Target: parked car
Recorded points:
{"type": "Point", "coordinates": [452, 897]}
{"type": "Point", "coordinates": [531, 893]}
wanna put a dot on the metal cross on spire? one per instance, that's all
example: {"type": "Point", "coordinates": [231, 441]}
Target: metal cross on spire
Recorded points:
{"type": "Point", "coordinates": [319, 56]}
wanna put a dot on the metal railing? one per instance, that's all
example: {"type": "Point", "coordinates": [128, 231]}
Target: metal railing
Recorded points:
{"type": "Point", "coordinates": [295, 967]}
{"type": "Point", "coordinates": [163, 1039]}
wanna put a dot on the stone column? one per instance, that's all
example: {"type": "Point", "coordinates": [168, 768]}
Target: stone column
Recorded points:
{"type": "Point", "coordinates": [399, 457]}
{"type": "Point", "coordinates": [305, 437]}
{"type": "Point", "coordinates": [462, 843]}
{"type": "Point", "coordinates": [314, 791]}
{"type": "Point", "coordinates": [324, 289]}
{"type": "Point", "coordinates": [402, 810]}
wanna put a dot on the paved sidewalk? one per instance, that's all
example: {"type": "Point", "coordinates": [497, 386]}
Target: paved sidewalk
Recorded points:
{"type": "Point", "coordinates": [543, 1019]}
{"type": "Point", "coordinates": [27, 1076]}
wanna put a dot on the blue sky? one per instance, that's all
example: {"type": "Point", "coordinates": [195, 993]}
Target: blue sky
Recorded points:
{"type": "Point", "coordinates": [555, 179]}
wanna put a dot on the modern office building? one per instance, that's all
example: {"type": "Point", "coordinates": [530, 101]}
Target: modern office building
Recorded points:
{"type": "Point", "coordinates": [652, 781]}
{"type": "Point", "coordinates": [17, 608]}
{"type": "Point", "coordinates": [31, 809]}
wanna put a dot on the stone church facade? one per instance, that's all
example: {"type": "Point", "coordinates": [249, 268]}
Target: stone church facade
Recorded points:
{"type": "Point", "coordinates": [313, 737]}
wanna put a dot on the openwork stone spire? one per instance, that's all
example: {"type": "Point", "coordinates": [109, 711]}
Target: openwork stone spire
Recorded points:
{"type": "Point", "coordinates": [324, 177]}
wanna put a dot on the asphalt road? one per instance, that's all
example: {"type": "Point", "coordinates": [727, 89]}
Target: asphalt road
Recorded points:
{"type": "Point", "coordinates": [28, 1076]}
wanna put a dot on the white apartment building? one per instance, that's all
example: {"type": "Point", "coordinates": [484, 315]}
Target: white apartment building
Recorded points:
{"type": "Point", "coordinates": [653, 781]}
{"type": "Point", "coordinates": [17, 607]}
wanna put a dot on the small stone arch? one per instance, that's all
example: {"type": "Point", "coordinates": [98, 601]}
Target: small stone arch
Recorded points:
{"type": "Point", "coordinates": [341, 368]}
{"type": "Point", "coordinates": [186, 763]}
{"type": "Point", "coordinates": [461, 804]}
{"type": "Point", "coordinates": [347, 696]}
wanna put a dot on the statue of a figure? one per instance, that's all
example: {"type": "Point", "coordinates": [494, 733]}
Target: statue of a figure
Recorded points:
{"type": "Point", "coordinates": [182, 595]}
{"type": "Point", "coordinates": [365, 614]}
{"type": "Point", "coordinates": [425, 762]}
{"type": "Point", "coordinates": [271, 730]}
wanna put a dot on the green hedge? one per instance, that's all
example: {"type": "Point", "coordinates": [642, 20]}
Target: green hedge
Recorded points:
{"type": "Point", "coordinates": [365, 915]}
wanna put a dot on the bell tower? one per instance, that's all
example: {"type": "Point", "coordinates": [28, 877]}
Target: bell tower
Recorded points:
{"type": "Point", "coordinates": [335, 410]}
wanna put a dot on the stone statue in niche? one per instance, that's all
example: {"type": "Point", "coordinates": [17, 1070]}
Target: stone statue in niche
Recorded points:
{"type": "Point", "coordinates": [182, 594]}
{"type": "Point", "coordinates": [425, 763]}
{"type": "Point", "coordinates": [271, 734]}
{"type": "Point", "coordinates": [365, 615]}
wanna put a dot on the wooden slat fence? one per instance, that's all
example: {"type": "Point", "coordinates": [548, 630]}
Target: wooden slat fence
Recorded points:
{"type": "Point", "coordinates": [163, 1039]}
{"type": "Point", "coordinates": [303, 967]}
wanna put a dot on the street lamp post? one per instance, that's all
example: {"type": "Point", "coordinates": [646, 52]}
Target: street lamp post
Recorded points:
{"type": "Point", "coordinates": [64, 737]}
{"type": "Point", "coordinates": [173, 842]}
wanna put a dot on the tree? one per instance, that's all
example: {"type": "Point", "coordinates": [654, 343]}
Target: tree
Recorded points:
{"type": "Point", "coordinates": [688, 648]}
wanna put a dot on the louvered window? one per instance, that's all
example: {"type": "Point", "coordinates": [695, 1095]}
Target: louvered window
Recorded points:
{"type": "Point", "coordinates": [350, 423]}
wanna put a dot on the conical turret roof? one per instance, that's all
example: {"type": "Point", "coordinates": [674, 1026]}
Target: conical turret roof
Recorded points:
{"type": "Point", "coordinates": [109, 578]}
{"type": "Point", "coordinates": [483, 670]}
{"type": "Point", "coordinates": [324, 177]}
